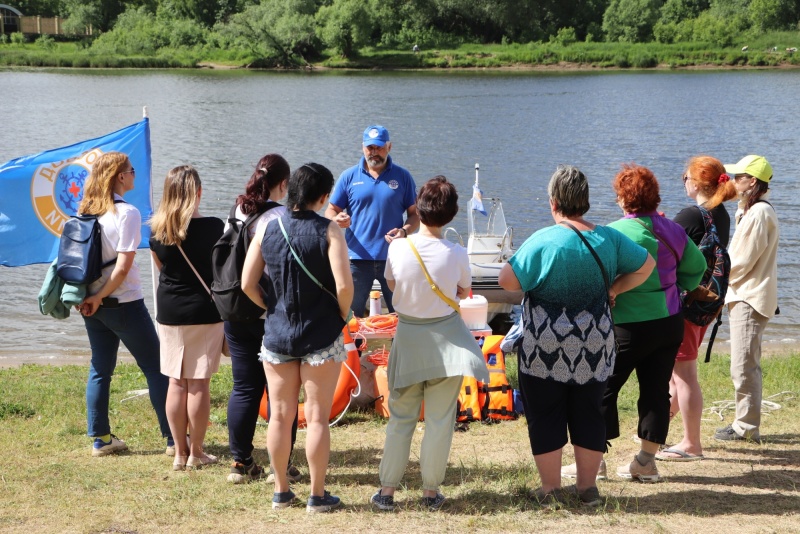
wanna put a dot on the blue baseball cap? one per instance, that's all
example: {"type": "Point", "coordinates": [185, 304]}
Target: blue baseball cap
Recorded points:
{"type": "Point", "coordinates": [376, 135]}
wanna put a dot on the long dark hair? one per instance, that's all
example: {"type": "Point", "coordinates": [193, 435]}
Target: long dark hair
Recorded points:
{"type": "Point", "coordinates": [758, 191]}
{"type": "Point", "coordinates": [307, 184]}
{"type": "Point", "coordinates": [271, 170]}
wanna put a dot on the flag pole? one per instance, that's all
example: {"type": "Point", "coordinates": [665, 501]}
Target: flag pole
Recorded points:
{"type": "Point", "coordinates": [153, 271]}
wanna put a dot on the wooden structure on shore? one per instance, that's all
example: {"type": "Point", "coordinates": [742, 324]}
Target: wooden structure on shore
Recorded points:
{"type": "Point", "coordinates": [13, 21]}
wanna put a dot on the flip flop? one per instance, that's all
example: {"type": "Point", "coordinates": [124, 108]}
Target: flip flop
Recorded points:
{"type": "Point", "coordinates": [682, 456]}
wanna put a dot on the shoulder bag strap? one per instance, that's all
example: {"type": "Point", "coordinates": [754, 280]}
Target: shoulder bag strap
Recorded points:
{"type": "Point", "coordinates": [677, 259]}
{"type": "Point", "coordinates": [450, 302]}
{"type": "Point", "coordinates": [591, 249]}
{"type": "Point", "coordinates": [195, 272]}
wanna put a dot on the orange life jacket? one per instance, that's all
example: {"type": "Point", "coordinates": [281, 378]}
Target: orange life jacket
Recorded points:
{"type": "Point", "coordinates": [468, 408]}
{"type": "Point", "coordinates": [479, 401]}
{"type": "Point", "coordinates": [496, 397]}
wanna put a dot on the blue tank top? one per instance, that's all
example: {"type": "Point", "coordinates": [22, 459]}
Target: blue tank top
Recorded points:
{"type": "Point", "coordinates": [301, 317]}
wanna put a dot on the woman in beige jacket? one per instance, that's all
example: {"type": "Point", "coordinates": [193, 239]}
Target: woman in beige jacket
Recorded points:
{"type": "Point", "coordinates": [752, 296]}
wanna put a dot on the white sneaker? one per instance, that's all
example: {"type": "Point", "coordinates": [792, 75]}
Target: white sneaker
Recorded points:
{"type": "Point", "coordinates": [571, 471]}
{"type": "Point", "coordinates": [102, 448]}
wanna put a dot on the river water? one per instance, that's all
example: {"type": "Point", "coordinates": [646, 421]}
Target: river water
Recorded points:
{"type": "Point", "coordinates": [518, 125]}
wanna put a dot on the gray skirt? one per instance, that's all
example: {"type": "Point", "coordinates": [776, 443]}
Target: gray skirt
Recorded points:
{"type": "Point", "coordinates": [427, 349]}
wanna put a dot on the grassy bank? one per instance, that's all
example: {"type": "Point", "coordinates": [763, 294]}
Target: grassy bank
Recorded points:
{"type": "Point", "coordinates": [767, 51]}
{"type": "Point", "coordinates": [49, 481]}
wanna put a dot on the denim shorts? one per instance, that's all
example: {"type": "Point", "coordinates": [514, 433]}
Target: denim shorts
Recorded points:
{"type": "Point", "coordinates": [336, 352]}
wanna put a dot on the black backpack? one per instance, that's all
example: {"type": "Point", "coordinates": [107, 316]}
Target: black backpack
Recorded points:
{"type": "Point", "coordinates": [227, 260]}
{"type": "Point", "coordinates": [80, 250]}
{"type": "Point", "coordinates": [704, 304]}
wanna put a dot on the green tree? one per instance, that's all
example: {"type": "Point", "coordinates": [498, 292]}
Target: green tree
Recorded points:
{"type": "Point", "coordinates": [681, 10]}
{"type": "Point", "coordinates": [631, 21]}
{"type": "Point", "coordinates": [346, 25]}
{"type": "Point", "coordinates": [768, 15]}
{"type": "Point", "coordinates": [43, 8]}
{"type": "Point", "coordinates": [276, 32]}
{"type": "Point", "coordinates": [203, 11]}
{"type": "Point", "coordinates": [710, 28]}
{"type": "Point", "coordinates": [81, 16]}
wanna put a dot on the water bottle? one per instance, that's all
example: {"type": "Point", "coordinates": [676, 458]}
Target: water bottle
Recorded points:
{"type": "Point", "coordinates": [374, 303]}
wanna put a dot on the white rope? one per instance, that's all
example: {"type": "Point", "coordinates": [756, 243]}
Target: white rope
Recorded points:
{"type": "Point", "coordinates": [135, 394]}
{"type": "Point", "coordinates": [352, 395]}
{"type": "Point", "coordinates": [768, 406]}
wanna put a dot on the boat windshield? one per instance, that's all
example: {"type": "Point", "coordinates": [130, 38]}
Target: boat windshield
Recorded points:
{"type": "Point", "coordinates": [489, 225]}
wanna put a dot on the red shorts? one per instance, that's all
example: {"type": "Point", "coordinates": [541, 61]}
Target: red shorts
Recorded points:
{"type": "Point", "coordinates": [692, 338]}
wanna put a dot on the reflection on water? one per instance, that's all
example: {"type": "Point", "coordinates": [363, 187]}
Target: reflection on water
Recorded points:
{"type": "Point", "coordinates": [518, 126]}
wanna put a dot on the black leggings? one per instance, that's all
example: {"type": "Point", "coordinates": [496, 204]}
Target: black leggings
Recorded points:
{"type": "Point", "coordinates": [249, 383]}
{"type": "Point", "coordinates": [649, 348]}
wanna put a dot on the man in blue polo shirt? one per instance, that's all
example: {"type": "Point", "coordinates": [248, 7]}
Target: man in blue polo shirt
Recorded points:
{"type": "Point", "coordinates": [376, 194]}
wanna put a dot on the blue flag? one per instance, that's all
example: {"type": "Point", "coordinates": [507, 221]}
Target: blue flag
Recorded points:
{"type": "Point", "coordinates": [41, 191]}
{"type": "Point", "coordinates": [477, 199]}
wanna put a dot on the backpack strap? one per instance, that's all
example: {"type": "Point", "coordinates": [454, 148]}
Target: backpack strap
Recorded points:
{"type": "Point", "coordinates": [712, 336]}
{"type": "Point", "coordinates": [253, 216]}
{"type": "Point", "coordinates": [109, 263]}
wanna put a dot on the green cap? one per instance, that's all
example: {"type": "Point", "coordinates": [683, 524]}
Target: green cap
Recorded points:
{"type": "Point", "coordinates": [756, 166]}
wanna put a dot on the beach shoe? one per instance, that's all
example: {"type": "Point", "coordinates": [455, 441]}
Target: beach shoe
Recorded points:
{"type": "Point", "coordinates": [241, 473]}
{"type": "Point", "coordinates": [196, 462]}
{"type": "Point", "coordinates": [293, 474]}
{"type": "Point", "coordinates": [103, 448]}
{"type": "Point", "coordinates": [679, 455]}
{"type": "Point", "coordinates": [637, 471]}
{"type": "Point", "coordinates": [170, 450]}
{"type": "Point", "coordinates": [556, 498]}
{"type": "Point", "coordinates": [571, 471]}
{"type": "Point", "coordinates": [283, 499]}
{"type": "Point", "coordinates": [588, 497]}
{"type": "Point", "coordinates": [729, 434]}
{"type": "Point", "coordinates": [432, 503]}
{"type": "Point", "coordinates": [179, 464]}
{"type": "Point", "coordinates": [326, 503]}
{"type": "Point", "coordinates": [382, 502]}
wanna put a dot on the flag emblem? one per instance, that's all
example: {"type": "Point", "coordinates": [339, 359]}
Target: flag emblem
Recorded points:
{"type": "Point", "coordinates": [57, 189]}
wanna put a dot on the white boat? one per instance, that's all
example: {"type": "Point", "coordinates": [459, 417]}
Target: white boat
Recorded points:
{"type": "Point", "coordinates": [489, 246]}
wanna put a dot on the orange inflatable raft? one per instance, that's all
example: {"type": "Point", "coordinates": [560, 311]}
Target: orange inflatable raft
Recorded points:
{"type": "Point", "coordinates": [348, 382]}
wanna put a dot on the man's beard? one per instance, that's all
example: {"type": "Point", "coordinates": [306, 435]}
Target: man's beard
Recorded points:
{"type": "Point", "coordinates": [376, 161]}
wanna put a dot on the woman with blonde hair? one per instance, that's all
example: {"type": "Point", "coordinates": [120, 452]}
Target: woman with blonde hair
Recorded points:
{"type": "Point", "coordinates": [189, 325]}
{"type": "Point", "coordinates": [706, 183]}
{"type": "Point", "coordinates": [114, 311]}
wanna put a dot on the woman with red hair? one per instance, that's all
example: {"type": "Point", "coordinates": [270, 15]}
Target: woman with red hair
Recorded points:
{"type": "Point", "coordinates": [707, 184]}
{"type": "Point", "coordinates": [648, 319]}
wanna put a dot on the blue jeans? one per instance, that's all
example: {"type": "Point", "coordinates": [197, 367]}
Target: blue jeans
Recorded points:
{"type": "Point", "coordinates": [249, 382]}
{"type": "Point", "coordinates": [364, 273]}
{"type": "Point", "coordinates": [131, 324]}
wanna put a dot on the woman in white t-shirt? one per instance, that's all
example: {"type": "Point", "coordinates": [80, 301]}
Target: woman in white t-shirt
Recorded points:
{"type": "Point", "coordinates": [114, 311]}
{"type": "Point", "coordinates": [267, 185]}
{"type": "Point", "coordinates": [432, 350]}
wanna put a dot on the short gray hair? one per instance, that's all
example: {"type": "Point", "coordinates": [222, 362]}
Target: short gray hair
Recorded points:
{"type": "Point", "coordinates": [569, 188]}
